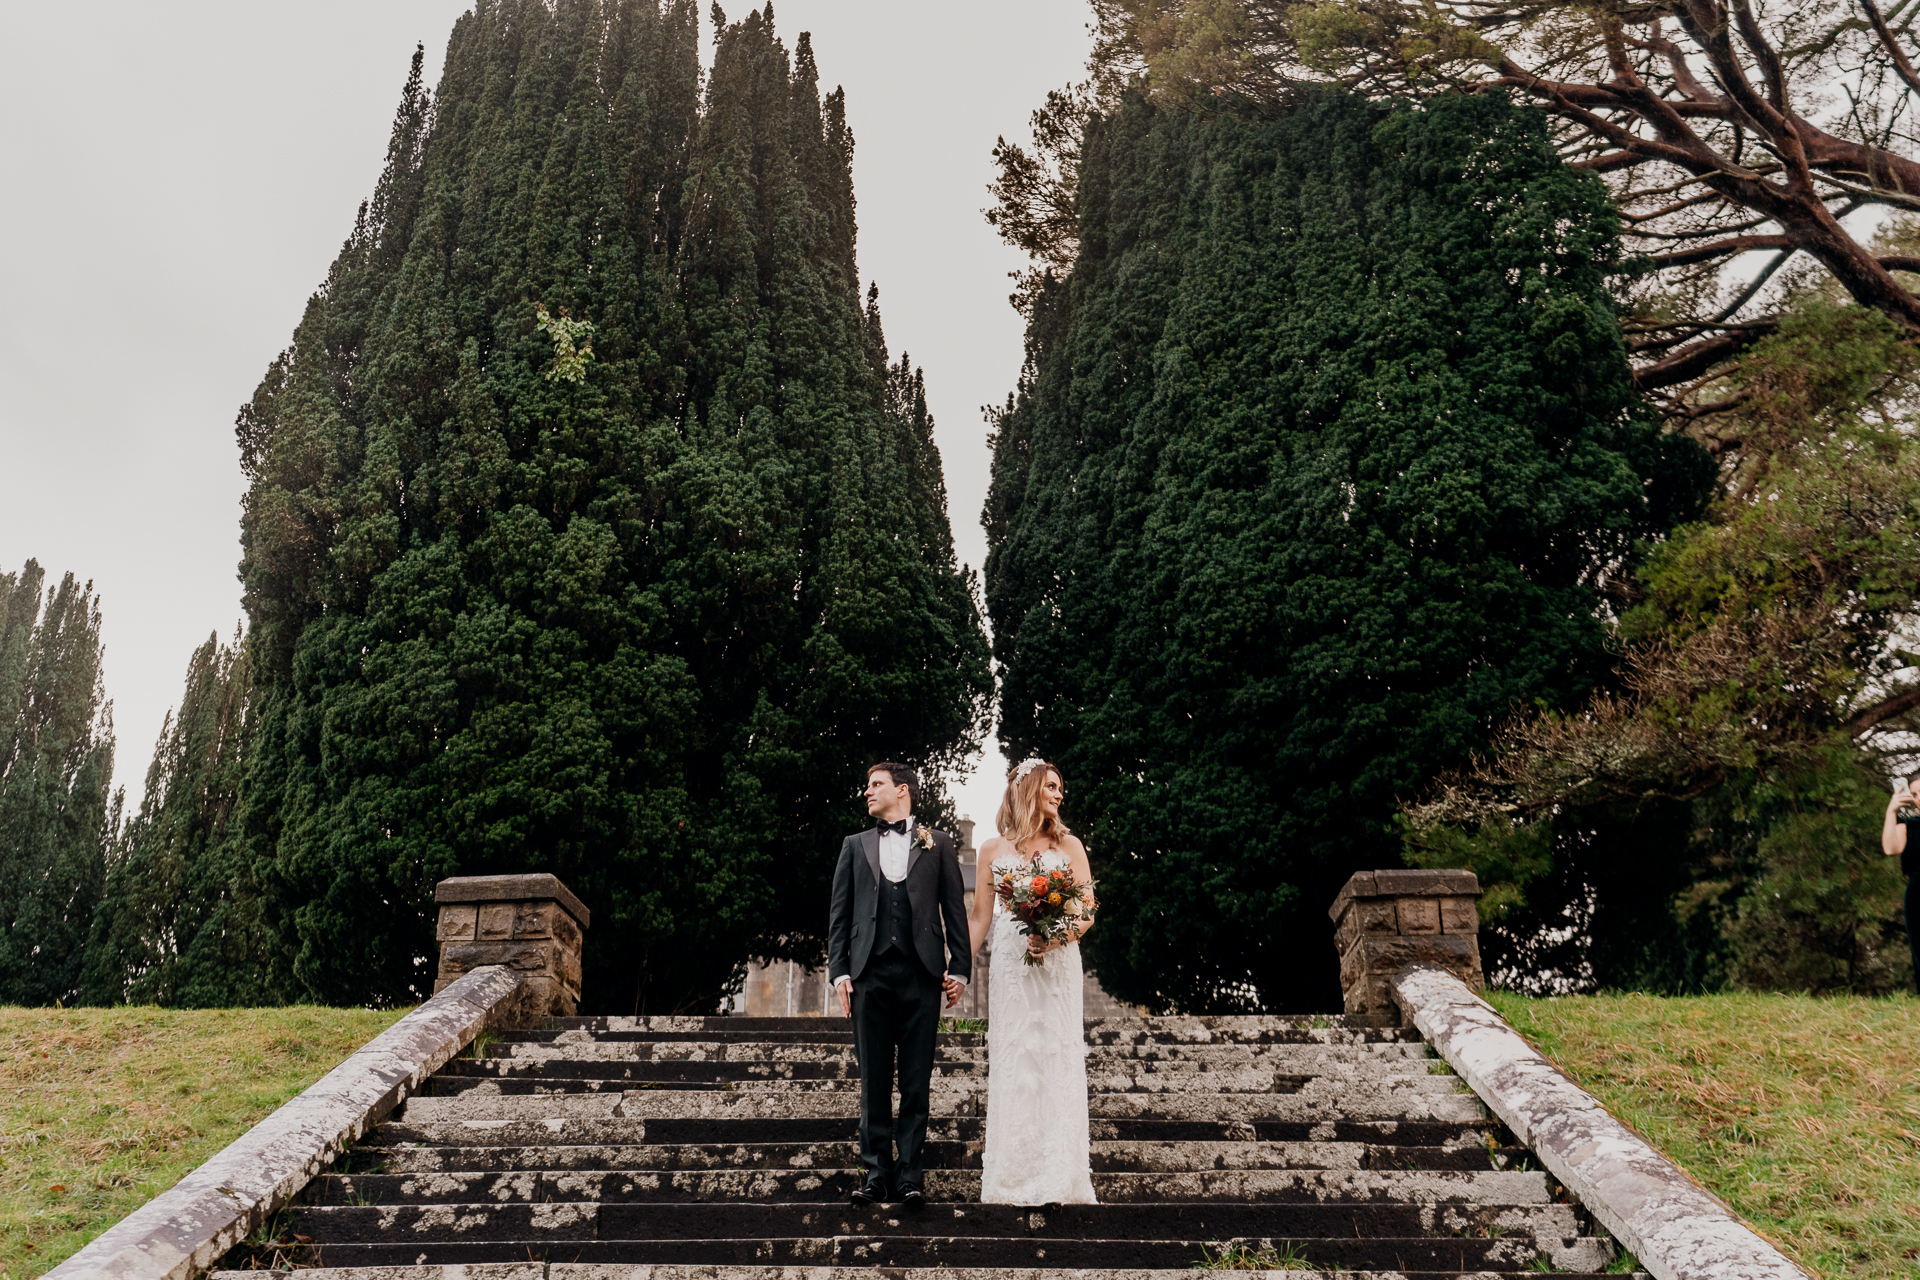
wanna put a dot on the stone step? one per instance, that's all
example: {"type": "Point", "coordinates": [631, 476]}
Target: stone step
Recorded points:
{"type": "Point", "coordinates": [1099, 1033]}
{"type": "Point", "coordinates": [1451, 1256]}
{"type": "Point", "coordinates": [732, 1219]}
{"type": "Point", "coordinates": [736, 1024]}
{"type": "Point", "coordinates": [1411, 1075]}
{"type": "Point", "coordinates": [1286, 1055]}
{"type": "Point", "coordinates": [1475, 1132]}
{"type": "Point", "coordinates": [1250, 1030]}
{"type": "Point", "coordinates": [1105, 1157]}
{"type": "Point", "coordinates": [570, 1064]}
{"type": "Point", "coordinates": [693, 1051]}
{"type": "Point", "coordinates": [519, 1086]}
{"type": "Point", "coordinates": [811, 1189]}
{"type": "Point", "coordinates": [821, 1031]}
{"type": "Point", "coordinates": [614, 1271]}
{"type": "Point", "coordinates": [1419, 1098]}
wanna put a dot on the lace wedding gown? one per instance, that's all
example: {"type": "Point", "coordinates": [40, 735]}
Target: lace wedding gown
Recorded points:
{"type": "Point", "coordinates": [1037, 1150]}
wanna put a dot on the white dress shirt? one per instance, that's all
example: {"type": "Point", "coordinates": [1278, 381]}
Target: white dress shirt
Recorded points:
{"type": "Point", "coordinates": [893, 853]}
{"type": "Point", "coordinates": [895, 850]}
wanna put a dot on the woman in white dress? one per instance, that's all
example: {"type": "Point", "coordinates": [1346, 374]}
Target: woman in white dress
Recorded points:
{"type": "Point", "coordinates": [1037, 1150]}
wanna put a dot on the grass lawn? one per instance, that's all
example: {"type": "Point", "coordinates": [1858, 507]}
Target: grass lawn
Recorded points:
{"type": "Point", "coordinates": [1802, 1114]}
{"type": "Point", "coordinates": [101, 1109]}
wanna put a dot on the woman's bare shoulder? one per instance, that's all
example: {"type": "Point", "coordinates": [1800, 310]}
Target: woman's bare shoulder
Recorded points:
{"type": "Point", "coordinates": [1071, 843]}
{"type": "Point", "coordinates": [994, 847]}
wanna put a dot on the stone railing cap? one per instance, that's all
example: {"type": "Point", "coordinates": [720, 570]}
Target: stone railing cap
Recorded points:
{"type": "Point", "coordinates": [537, 887]}
{"type": "Point", "coordinates": [1405, 882]}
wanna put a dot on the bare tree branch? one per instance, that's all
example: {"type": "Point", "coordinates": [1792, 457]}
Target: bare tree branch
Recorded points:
{"type": "Point", "coordinates": [1690, 362]}
{"type": "Point", "coordinates": [1894, 52]}
{"type": "Point", "coordinates": [1723, 248]}
{"type": "Point", "coordinates": [1883, 711]}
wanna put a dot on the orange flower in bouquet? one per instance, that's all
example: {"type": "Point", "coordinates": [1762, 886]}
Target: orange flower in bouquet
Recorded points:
{"type": "Point", "coordinates": [1044, 897]}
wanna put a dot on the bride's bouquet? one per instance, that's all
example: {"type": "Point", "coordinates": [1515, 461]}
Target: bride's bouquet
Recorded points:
{"type": "Point", "coordinates": [1042, 894]}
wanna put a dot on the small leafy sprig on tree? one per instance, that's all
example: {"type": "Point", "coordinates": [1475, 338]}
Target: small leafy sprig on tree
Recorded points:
{"type": "Point", "coordinates": [569, 362]}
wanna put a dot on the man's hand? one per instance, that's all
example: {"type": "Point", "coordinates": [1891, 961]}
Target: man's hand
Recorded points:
{"type": "Point", "coordinates": [953, 987]}
{"type": "Point", "coordinates": [846, 997]}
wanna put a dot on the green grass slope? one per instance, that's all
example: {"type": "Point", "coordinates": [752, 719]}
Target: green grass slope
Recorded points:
{"type": "Point", "coordinates": [102, 1109]}
{"type": "Point", "coordinates": [1802, 1114]}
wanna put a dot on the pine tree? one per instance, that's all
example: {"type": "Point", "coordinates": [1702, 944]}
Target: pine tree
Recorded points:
{"type": "Point", "coordinates": [179, 919]}
{"type": "Point", "coordinates": [56, 770]}
{"type": "Point", "coordinates": [1322, 452]}
{"type": "Point", "coordinates": [643, 628]}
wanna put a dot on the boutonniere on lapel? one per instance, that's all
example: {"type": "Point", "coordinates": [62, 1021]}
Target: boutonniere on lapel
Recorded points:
{"type": "Point", "coordinates": [924, 835]}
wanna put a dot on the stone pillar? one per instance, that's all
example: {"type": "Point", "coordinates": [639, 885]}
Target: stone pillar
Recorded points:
{"type": "Point", "coordinates": [1388, 921]}
{"type": "Point", "coordinates": [532, 924]}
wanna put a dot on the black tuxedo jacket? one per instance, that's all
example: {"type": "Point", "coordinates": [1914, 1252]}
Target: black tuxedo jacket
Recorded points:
{"type": "Point", "coordinates": [934, 894]}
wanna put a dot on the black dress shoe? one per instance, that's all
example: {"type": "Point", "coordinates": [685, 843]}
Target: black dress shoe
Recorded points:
{"type": "Point", "coordinates": [868, 1194]}
{"type": "Point", "coordinates": [914, 1198]}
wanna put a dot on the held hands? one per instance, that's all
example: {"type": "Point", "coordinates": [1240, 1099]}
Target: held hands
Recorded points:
{"type": "Point", "coordinates": [951, 986]}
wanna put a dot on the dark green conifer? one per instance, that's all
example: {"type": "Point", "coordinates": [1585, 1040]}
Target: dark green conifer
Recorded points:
{"type": "Point", "coordinates": [1321, 455]}
{"type": "Point", "coordinates": [179, 921]}
{"type": "Point", "coordinates": [643, 630]}
{"type": "Point", "coordinates": [56, 770]}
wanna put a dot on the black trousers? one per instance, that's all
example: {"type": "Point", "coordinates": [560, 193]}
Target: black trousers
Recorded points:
{"type": "Point", "coordinates": [1912, 907]}
{"type": "Point", "coordinates": [896, 1014]}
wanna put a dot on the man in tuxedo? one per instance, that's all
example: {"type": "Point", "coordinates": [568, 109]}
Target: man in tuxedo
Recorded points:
{"type": "Point", "coordinates": [897, 937]}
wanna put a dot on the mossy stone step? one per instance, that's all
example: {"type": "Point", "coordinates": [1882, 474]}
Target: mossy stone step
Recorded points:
{"type": "Point", "coordinates": [1477, 1131]}
{"type": "Point", "coordinates": [1417, 1098]}
{"type": "Point", "coordinates": [616, 1271]}
{"type": "Point", "coordinates": [1444, 1254]}
{"type": "Point", "coordinates": [809, 1189]}
{"type": "Point", "coordinates": [1105, 1157]}
{"type": "Point", "coordinates": [723, 1149]}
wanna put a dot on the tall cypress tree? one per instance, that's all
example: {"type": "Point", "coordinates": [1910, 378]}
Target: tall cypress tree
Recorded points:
{"type": "Point", "coordinates": [639, 620]}
{"type": "Point", "coordinates": [56, 770]}
{"type": "Point", "coordinates": [1321, 455]}
{"type": "Point", "coordinates": [179, 920]}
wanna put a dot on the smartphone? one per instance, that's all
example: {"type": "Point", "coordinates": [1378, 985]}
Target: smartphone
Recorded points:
{"type": "Point", "coordinates": [1906, 812]}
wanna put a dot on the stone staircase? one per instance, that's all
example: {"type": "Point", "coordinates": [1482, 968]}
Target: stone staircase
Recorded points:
{"type": "Point", "coordinates": [723, 1149]}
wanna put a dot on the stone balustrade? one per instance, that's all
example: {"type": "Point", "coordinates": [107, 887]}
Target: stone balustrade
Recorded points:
{"type": "Point", "coordinates": [531, 924]}
{"type": "Point", "coordinates": [1386, 922]}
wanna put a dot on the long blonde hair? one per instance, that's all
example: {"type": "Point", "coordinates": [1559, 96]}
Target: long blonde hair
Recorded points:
{"type": "Point", "coordinates": [1022, 818]}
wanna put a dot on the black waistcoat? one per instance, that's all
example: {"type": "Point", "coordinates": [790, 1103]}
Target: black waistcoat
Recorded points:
{"type": "Point", "coordinates": [896, 918]}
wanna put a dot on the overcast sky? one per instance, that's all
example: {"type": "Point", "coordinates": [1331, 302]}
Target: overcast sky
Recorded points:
{"type": "Point", "coordinates": [180, 175]}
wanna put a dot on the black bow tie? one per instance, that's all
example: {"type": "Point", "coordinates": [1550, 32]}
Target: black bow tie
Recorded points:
{"type": "Point", "coordinates": [900, 826]}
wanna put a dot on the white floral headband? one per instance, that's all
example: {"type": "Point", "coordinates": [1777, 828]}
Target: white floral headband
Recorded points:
{"type": "Point", "coordinates": [1027, 766]}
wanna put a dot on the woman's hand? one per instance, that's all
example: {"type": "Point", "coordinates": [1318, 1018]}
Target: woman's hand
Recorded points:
{"type": "Point", "coordinates": [1037, 947]}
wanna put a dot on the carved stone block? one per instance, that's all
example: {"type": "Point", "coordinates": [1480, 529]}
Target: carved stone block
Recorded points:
{"type": "Point", "coordinates": [531, 924]}
{"type": "Point", "coordinates": [1368, 917]}
{"type": "Point", "coordinates": [1386, 922]}
{"type": "Point", "coordinates": [1418, 915]}
{"type": "Point", "coordinates": [457, 922]}
{"type": "Point", "coordinates": [496, 921]}
{"type": "Point", "coordinates": [1459, 915]}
